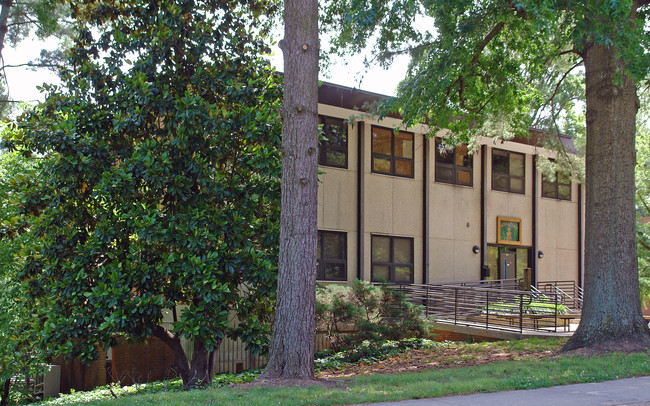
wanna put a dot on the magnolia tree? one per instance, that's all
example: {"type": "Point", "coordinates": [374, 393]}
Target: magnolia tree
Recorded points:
{"type": "Point", "coordinates": [159, 188]}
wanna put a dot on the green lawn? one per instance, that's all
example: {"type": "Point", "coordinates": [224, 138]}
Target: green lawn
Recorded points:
{"type": "Point", "coordinates": [498, 376]}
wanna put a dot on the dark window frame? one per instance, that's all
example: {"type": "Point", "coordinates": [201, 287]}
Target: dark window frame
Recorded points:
{"type": "Point", "coordinates": [555, 187]}
{"type": "Point", "coordinates": [325, 145]}
{"type": "Point", "coordinates": [321, 261]}
{"type": "Point", "coordinates": [509, 175]}
{"type": "Point", "coordinates": [392, 264]}
{"type": "Point", "coordinates": [392, 156]}
{"type": "Point", "coordinates": [453, 166]}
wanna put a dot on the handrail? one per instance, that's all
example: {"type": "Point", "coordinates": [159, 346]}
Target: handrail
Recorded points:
{"type": "Point", "coordinates": [489, 308]}
{"type": "Point", "coordinates": [569, 289]}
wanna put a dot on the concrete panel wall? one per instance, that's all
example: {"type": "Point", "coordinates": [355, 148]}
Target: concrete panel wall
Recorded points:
{"type": "Point", "coordinates": [394, 206]}
{"type": "Point", "coordinates": [558, 238]}
{"type": "Point", "coordinates": [454, 225]}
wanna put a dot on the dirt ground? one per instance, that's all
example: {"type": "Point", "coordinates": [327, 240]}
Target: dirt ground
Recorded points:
{"type": "Point", "coordinates": [416, 360]}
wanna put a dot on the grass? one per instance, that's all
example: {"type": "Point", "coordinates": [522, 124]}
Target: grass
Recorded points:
{"type": "Point", "coordinates": [498, 376]}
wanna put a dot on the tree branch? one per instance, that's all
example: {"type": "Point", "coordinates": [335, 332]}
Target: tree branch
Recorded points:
{"type": "Point", "coordinates": [493, 33]}
{"type": "Point", "coordinates": [643, 202]}
{"type": "Point", "coordinates": [33, 65]}
{"type": "Point", "coordinates": [22, 23]}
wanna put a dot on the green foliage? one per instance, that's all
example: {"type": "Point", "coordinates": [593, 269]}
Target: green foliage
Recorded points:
{"type": "Point", "coordinates": [160, 177]}
{"type": "Point", "coordinates": [533, 307]}
{"type": "Point", "coordinates": [365, 312]}
{"type": "Point", "coordinates": [643, 193]}
{"type": "Point", "coordinates": [500, 66]}
{"type": "Point", "coordinates": [21, 354]}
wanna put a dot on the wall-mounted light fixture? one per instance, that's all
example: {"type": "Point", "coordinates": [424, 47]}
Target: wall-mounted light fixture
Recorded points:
{"type": "Point", "coordinates": [476, 249]}
{"type": "Point", "coordinates": [540, 254]}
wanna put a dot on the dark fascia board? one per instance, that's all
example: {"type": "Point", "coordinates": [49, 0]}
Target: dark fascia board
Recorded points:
{"type": "Point", "coordinates": [350, 98]}
{"type": "Point", "coordinates": [356, 99]}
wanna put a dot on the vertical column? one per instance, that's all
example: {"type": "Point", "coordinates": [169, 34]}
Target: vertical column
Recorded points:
{"type": "Point", "coordinates": [425, 210]}
{"type": "Point", "coordinates": [360, 197]}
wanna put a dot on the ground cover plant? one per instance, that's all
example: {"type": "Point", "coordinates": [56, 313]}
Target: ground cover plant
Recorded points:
{"type": "Point", "coordinates": [444, 369]}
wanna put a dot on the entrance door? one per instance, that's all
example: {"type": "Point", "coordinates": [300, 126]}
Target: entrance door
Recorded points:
{"type": "Point", "coordinates": [507, 265]}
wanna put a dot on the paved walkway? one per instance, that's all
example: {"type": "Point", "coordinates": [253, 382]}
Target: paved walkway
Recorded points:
{"type": "Point", "coordinates": [628, 392]}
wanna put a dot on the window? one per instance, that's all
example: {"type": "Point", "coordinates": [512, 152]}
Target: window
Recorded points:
{"type": "Point", "coordinates": [508, 171]}
{"type": "Point", "coordinates": [334, 142]}
{"type": "Point", "coordinates": [392, 259]}
{"type": "Point", "coordinates": [392, 153]}
{"type": "Point", "coordinates": [332, 256]}
{"type": "Point", "coordinates": [453, 166]}
{"type": "Point", "coordinates": [557, 186]}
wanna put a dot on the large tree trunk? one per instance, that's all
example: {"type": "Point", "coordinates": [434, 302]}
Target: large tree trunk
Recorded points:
{"type": "Point", "coordinates": [292, 346]}
{"type": "Point", "coordinates": [612, 306]}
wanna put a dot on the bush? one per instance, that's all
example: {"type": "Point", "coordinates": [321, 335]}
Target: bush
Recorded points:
{"type": "Point", "coordinates": [534, 307]}
{"type": "Point", "coordinates": [366, 312]}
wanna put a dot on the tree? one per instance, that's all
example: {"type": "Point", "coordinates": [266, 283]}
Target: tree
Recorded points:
{"type": "Point", "coordinates": [159, 189]}
{"type": "Point", "coordinates": [31, 18]}
{"type": "Point", "coordinates": [292, 347]}
{"type": "Point", "coordinates": [19, 20]}
{"type": "Point", "coordinates": [481, 64]}
{"type": "Point", "coordinates": [21, 354]}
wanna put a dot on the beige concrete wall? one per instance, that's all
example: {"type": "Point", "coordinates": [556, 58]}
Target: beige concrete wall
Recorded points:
{"type": "Point", "coordinates": [454, 225]}
{"type": "Point", "coordinates": [558, 237]}
{"type": "Point", "coordinates": [337, 191]}
{"type": "Point", "coordinates": [393, 205]}
{"type": "Point", "coordinates": [507, 204]}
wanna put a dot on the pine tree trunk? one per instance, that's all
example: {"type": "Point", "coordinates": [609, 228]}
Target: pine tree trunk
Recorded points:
{"type": "Point", "coordinates": [292, 346]}
{"type": "Point", "coordinates": [612, 306]}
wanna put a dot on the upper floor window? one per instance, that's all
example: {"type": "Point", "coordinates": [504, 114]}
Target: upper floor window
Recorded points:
{"type": "Point", "coordinates": [392, 259]}
{"type": "Point", "coordinates": [392, 153]}
{"type": "Point", "coordinates": [557, 186]}
{"type": "Point", "coordinates": [453, 166]}
{"type": "Point", "coordinates": [334, 142]}
{"type": "Point", "coordinates": [508, 171]}
{"type": "Point", "coordinates": [332, 256]}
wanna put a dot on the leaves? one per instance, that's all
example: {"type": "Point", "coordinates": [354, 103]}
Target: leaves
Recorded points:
{"type": "Point", "coordinates": [160, 183]}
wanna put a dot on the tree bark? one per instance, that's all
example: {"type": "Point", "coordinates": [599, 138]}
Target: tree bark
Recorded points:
{"type": "Point", "coordinates": [612, 304]}
{"type": "Point", "coordinates": [4, 398]}
{"type": "Point", "coordinates": [197, 373]}
{"type": "Point", "coordinates": [4, 17]}
{"type": "Point", "coordinates": [292, 346]}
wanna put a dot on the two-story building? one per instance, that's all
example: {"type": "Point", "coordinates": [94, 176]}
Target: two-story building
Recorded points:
{"type": "Point", "coordinates": [393, 205]}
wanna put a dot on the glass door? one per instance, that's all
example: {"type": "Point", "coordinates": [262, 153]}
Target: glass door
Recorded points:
{"type": "Point", "coordinates": [507, 265]}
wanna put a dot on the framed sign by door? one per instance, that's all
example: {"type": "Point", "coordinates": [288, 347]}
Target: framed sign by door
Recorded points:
{"type": "Point", "coordinates": [508, 231]}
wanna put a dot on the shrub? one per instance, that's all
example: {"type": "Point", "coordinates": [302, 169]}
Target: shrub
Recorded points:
{"type": "Point", "coordinates": [534, 307]}
{"type": "Point", "coordinates": [366, 312]}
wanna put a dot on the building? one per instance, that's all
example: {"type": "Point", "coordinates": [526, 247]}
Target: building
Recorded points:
{"type": "Point", "coordinates": [394, 206]}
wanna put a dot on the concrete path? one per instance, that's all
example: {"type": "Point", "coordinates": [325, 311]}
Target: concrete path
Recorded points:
{"type": "Point", "coordinates": [628, 392]}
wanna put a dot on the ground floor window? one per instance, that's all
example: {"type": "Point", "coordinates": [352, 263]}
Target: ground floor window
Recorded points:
{"type": "Point", "coordinates": [507, 262]}
{"type": "Point", "coordinates": [392, 259]}
{"type": "Point", "coordinates": [332, 256]}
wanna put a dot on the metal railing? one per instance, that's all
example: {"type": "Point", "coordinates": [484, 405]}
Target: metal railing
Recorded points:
{"type": "Point", "coordinates": [570, 294]}
{"type": "Point", "coordinates": [489, 307]}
